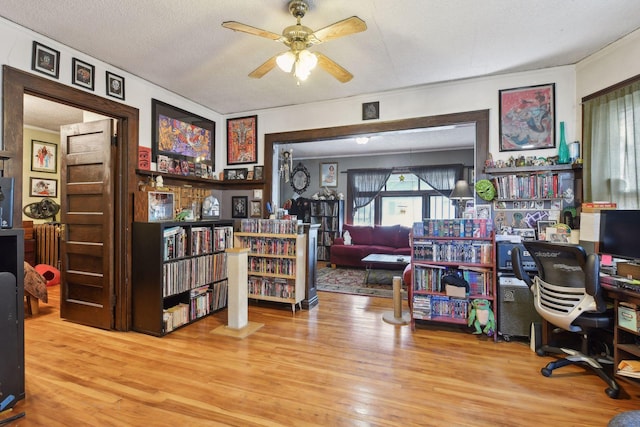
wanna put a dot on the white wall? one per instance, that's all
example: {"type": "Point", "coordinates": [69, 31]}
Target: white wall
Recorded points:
{"type": "Point", "coordinates": [15, 51]}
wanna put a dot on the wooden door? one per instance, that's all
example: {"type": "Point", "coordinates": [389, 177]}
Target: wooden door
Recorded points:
{"type": "Point", "coordinates": [87, 241]}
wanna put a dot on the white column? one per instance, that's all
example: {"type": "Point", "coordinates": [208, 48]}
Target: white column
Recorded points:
{"type": "Point", "coordinates": [238, 302]}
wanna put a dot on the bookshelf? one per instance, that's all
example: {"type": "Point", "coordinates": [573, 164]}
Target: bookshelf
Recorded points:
{"type": "Point", "coordinates": [328, 214]}
{"type": "Point", "coordinates": [179, 273]}
{"type": "Point", "coordinates": [277, 255]}
{"type": "Point", "coordinates": [461, 247]}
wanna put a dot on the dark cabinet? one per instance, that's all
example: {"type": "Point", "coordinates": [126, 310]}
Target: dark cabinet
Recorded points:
{"type": "Point", "coordinates": [12, 315]}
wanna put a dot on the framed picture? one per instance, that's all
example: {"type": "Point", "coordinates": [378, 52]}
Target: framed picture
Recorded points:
{"type": "Point", "coordinates": [83, 74]}
{"type": "Point", "coordinates": [257, 193]}
{"type": "Point", "coordinates": [371, 110]}
{"type": "Point", "coordinates": [237, 173]}
{"type": "Point", "coordinates": [43, 187]}
{"type": "Point", "coordinates": [181, 135]}
{"type": "Point", "coordinates": [256, 209]}
{"type": "Point", "coordinates": [115, 85]}
{"type": "Point", "coordinates": [483, 211]}
{"type": "Point", "coordinates": [328, 174]}
{"type": "Point", "coordinates": [527, 118]}
{"type": "Point", "coordinates": [242, 143]}
{"type": "Point", "coordinates": [542, 228]}
{"type": "Point", "coordinates": [239, 206]}
{"type": "Point", "coordinates": [45, 60]}
{"type": "Point", "coordinates": [44, 156]}
{"type": "Point", "coordinates": [258, 173]}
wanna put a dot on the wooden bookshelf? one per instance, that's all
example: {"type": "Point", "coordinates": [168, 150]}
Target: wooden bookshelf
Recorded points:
{"type": "Point", "coordinates": [179, 273]}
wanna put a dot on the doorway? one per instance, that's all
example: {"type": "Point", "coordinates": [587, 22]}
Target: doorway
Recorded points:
{"type": "Point", "coordinates": [16, 84]}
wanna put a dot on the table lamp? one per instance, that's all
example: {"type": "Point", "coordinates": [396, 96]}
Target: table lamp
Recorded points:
{"type": "Point", "coordinates": [461, 193]}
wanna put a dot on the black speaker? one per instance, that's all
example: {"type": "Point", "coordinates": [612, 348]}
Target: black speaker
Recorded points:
{"type": "Point", "coordinates": [6, 202]}
{"type": "Point", "coordinates": [516, 311]}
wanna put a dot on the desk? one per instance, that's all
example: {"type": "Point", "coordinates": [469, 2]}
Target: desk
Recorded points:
{"type": "Point", "coordinates": [625, 341]}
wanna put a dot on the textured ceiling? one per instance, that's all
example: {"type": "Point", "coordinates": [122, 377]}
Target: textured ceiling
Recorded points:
{"type": "Point", "coordinates": [181, 45]}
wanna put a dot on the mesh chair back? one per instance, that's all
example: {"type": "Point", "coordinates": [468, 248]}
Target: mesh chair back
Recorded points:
{"type": "Point", "coordinates": [560, 289]}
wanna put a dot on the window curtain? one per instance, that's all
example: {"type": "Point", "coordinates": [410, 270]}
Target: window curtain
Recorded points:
{"type": "Point", "coordinates": [442, 178]}
{"type": "Point", "coordinates": [611, 146]}
{"type": "Point", "coordinates": [365, 184]}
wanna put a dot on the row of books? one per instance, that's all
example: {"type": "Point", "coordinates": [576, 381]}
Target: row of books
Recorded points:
{"type": "Point", "coordinates": [204, 240]}
{"type": "Point", "coordinates": [428, 307]}
{"type": "Point", "coordinates": [273, 287]}
{"type": "Point", "coordinates": [329, 223]}
{"type": "Point", "coordinates": [467, 251]}
{"type": "Point", "coordinates": [206, 299]}
{"type": "Point", "coordinates": [325, 238]}
{"type": "Point", "coordinates": [269, 245]}
{"type": "Point", "coordinates": [534, 186]}
{"type": "Point", "coordinates": [175, 316]}
{"type": "Point", "coordinates": [460, 227]}
{"type": "Point", "coordinates": [269, 226]}
{"type": "Point", "coordinates": [183, 275]}
{"type": "Point", "coordinates": [429, 278]}
{"type": "Point", "coordinates": [283, 266]}
{"type": "Point", "coordinates": [323, 253]}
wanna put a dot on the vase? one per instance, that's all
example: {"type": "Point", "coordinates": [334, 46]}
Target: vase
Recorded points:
{"type": "Point", "coordinates": [563, 148]}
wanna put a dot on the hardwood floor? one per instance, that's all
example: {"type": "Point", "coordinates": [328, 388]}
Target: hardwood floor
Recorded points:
{"type": "Point", "coordinates": [336, 365]}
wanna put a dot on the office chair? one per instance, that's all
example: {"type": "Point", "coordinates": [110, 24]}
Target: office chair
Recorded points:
{"type": "Point", "coordinates": [568, 295]}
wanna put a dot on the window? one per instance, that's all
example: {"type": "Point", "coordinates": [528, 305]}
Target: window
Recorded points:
{"type": "Point", "coordinates": [405, 199]}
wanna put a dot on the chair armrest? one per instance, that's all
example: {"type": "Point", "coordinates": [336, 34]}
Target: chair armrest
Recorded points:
{"type": "Point", "coordinates": [338, 241]}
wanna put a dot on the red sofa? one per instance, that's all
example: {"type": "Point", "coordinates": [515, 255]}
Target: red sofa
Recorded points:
{"type": "Point", "coordinates": [392, 240]}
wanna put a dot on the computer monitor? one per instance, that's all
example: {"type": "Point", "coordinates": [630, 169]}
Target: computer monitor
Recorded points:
{"type": "Point", "coordinates": [620, 234]}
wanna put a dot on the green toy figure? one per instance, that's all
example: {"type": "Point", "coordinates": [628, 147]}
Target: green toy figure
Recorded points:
{"type": "Point", "coordinates": [481, 314]}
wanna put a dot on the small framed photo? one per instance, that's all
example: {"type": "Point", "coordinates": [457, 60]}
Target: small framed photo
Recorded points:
{"type": "Point", "coordinates": [257, 193]}
{"type": "Point", "coordinates": [115, 85]}
{"type": "Point", "coordinates": [483, 211]}
{"type": "Point", "coordinates": [542, 228]}
{"type": "Point", "coordinates": [83, 74]}
{"type": "Point", "coordinates": [258, 173]}
{"type": "Point", "coordinates": [237, 173]}
{"type": "Point", "coordinates": [44, 156]}
{"type": "Point", "coordinates": [256, 209]}
{"type": "Point", "coordinates": [45, 60]}
{"type": "Point", "coordinates": [239, 206]}
{"type": "Point", "coordinates": [43, 187]}
{"type": "Point", "coordinates": [371, 110]}
{"type": "Point", "coordinates": [527, 118]}
{"type": "Point", "coordinates": [242, 140]}
{"type": "Point", "coordinates": [328, 174]}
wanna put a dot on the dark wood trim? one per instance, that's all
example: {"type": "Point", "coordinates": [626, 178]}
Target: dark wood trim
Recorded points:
{"type": "Point", "coordinates": [16, 84]}
{"type": "Point", "coordinates": [611, 88]}
{"type": "Point", "coordinates": [479, 117]}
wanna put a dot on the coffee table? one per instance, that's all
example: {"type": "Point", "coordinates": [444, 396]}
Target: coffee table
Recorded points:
{"type": "Point", "coordinates": [398, 260]}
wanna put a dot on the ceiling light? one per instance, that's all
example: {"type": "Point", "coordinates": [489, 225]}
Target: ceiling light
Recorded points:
{"type": "Point", "coordinates": [301, 63]}
{"type": "Point", "coordinates": [362, 140]}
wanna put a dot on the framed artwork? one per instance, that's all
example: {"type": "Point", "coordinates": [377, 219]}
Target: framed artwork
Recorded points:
{"type": "Point", "coordinates": [258, 173]}
{"type": "Point", "coordinates": [44, 156]}
{"type": "Point", "coordinates": [371, 110]}
{"type": "Point", "coordinates": [242, 143]}
{"type": "Point", "coordinates": [43, 187]}
{"type": "Point", "coordinates": [542, 228]}
{"type": "Point", "coordinates": [237, 173]}
{"type": "Point", "coordinates": [83, 74]}
{"type": "Point", "coordinates": [45, 60]}
{"type": "Point", "coordinates": [328, 174]}
{"type": "Point", "coordinates": [527, 118]}
{"type": "Point", "coordinates": [483, 211]}
{"type": "Point", "coordinates": [256, 209]}
{"type": "Point", "coordinates": [180, 135]}
{"type": "Point", "coordinates": [239, 206]}
{"type": "Point", "coordinates": [115, 85]}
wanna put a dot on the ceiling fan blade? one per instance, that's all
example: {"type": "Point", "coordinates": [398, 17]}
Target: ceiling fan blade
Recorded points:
{"type": "Point", "coordinates": [264, 68]}
{"type": "Point", "coordinates": [339, 29]}
{"type": "Point", "coordinates": [333, 68]}
{"type": "Point", "coordinates": [237, 26]}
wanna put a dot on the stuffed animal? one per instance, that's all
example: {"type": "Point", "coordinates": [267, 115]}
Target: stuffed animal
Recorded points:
{"type": "Point", "coordinates": [480, 315]}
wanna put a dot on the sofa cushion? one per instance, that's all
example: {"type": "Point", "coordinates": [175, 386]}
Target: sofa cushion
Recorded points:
{"type": "Point", "coordinates": [385, 235]}
{"type": "Point", "coordinates": [360, 235]}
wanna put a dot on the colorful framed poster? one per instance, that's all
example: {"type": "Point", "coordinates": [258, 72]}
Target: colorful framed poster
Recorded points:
{"type": "Point", "coordinates": [242, 143]}
{"type": "Point", "coordinates": [43, 187]}
{"type": "Point", "coordinates": [527, 118]}
{"type": "Point", "coordinates": [44, 156]}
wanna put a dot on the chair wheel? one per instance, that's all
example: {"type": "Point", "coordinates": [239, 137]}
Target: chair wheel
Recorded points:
{"type": "Point", "coordinates": [540, 352]}
{"type": "Point", "coordinates": [546, 372]}
{"type": "Point", "coordinates": [612, 393]}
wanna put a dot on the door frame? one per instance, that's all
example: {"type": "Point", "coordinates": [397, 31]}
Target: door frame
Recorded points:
{"type": "Point", "coordinates": [15, 84]}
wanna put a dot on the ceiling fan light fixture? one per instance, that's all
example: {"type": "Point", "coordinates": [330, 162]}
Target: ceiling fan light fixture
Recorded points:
{"type": "Point", "coordinates": [305, 62]}
{"type": "Point", "coordinates": [285, 61]}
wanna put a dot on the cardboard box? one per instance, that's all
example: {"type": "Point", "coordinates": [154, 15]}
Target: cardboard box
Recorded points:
{"type": "Point", "coordinates": [628, 270]}
{"type": "Point", "coordinates": [456, 291]}
{"type": "Point", "coordinates": [628, 317]}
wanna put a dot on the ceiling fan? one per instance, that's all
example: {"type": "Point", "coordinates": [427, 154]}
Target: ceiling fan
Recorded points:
{"type": "Point", "coordinates": [298, 39]}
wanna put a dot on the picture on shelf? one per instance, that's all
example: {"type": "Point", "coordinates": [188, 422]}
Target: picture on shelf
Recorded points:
{"type": "Point", "coordinates": [239, 206]}
{"type": "Point", "coordinates": [256, 209]}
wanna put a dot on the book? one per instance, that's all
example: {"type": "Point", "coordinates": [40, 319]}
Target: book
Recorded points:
{"type": "Point", "coordinates": [597, 206]}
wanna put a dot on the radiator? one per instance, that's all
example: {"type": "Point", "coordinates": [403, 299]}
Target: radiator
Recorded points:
{"type": "Point", "coordinates": [47, 244]}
